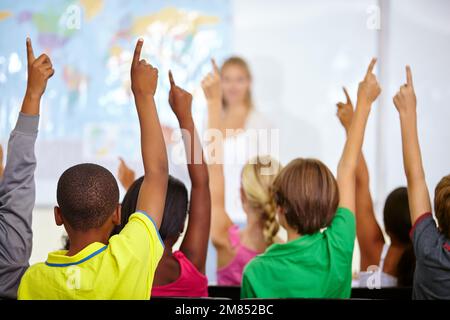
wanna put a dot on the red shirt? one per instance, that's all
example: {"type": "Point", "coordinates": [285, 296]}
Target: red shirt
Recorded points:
{"type": "Point", "coordinates": [190, 283]}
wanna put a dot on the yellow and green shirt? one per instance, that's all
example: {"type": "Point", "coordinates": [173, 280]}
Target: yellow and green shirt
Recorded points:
{"type": "Point", "coordinates": [123, 269]}
{"type": "Point", "coordinates": [312, 266]}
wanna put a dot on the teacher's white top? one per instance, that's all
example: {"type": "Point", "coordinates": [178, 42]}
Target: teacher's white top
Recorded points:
{"type": "Point", "coordinates": [255, 139]}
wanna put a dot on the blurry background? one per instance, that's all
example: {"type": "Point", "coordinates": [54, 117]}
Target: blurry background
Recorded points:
{"type": "Point", "coordinates": [301, 54]}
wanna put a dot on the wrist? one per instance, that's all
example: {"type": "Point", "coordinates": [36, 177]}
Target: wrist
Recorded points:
{"type": "Point", "coordinates": [407, 113]}
{"type": "Point", "coordinates": [363, 105]}
{"type": "Point", "coordinates": [31, 104]}
{"type": "Point", "coordinates": [32, 95]}
{"type": "Point", "coordinates": [214, 101]}
{"type": "Point", "coordinates": [143, 95]}
{"type": "Point", "coordinates": [185, 120]}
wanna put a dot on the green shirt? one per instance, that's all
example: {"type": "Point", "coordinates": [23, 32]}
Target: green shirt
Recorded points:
{"type": "Point", "coordinates": [312, 266]}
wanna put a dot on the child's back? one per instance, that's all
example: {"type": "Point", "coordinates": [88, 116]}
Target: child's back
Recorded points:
{"type": "Point", "coordinates": [316, 264]}
{"type": "Point", "coordinates": [120, 269]}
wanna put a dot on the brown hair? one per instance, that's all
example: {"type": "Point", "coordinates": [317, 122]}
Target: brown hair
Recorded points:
{"type": "Point", "coordinates": [237, 61]}
{"type": "Point", "coordinates": [257, 178]}
{"type": "Point", "coordinates": [308, 192]}
{"type": "Point", "coordinates": [442, 205]}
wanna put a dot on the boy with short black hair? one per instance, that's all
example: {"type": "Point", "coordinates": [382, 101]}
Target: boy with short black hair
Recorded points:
{"type": "Point", "coordinates": [96, 267]}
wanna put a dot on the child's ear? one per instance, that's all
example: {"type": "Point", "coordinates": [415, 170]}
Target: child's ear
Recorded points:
{"type": "Point", "coordinates": [281, 217]}
{"type": "Point", "coordinates": [58, 216]}
{"type": "Point", "coordinates": [117, 215]}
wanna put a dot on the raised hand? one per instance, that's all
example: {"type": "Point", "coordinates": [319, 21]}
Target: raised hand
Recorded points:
{"type": "Point", "coordinates": [126, 175]}
{"type": "Point", "coordinates": [39, 71]}
{"type": "Point", "coordinates": [180, 100]}
{"type": "Point", "coordinates": [144, 77]}
{"type": "Point", "coordinates": [369, 89]}
{"type": "Point", "coordinates": [345, 111]}
{"type": "Point", "coordinates": [211, 84]}
{"type": "Point", "coordinates": [405, 99]}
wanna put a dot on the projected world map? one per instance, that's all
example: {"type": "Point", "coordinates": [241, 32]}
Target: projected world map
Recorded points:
{"type": "Point", "coordinates": [91, 45]}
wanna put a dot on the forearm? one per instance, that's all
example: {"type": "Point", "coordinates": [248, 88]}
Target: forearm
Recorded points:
{"type": "Point", "coordinates": [214, 114]}
{"type": "Point", "coordinates": [355, 138]}
{"type": "Point", "coordinates": [418, 196]}
{"type": "Point", "coordinates": [153, 148]}
{"type": "Point", "coordinates": [198, 171]}
{"type": "Point", "coordinates": [368, 232]}
{"type": "Point", "coordinates": [412, 158]}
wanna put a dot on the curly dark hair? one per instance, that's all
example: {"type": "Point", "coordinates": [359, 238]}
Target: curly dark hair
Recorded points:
{"type": "Point", "coordinates": [87, 195]}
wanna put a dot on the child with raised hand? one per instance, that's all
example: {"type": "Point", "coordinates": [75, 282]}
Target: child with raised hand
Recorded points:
{"type": "Point", "coordinates": [235, 248]}
{"type": "Point", "coordinates": [431, 243]}
{"type": "Point", "coordinates": [180, 273]}
{"type": "Point", "coordinates": [395, 262]}
{"type": "Point", "coordinates": [17, 186]}
{"type": "Point", "coordinates": [97, 266]}
{"type": "Point", "coordinates": [314, 264]}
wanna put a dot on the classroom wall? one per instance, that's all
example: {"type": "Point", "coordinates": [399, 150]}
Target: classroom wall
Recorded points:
{"type": "Point", "coordinates": [302, 52]}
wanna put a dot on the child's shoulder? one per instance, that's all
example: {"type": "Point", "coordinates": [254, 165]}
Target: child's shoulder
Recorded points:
{"type": "Point", "coordinates": [34, 270]}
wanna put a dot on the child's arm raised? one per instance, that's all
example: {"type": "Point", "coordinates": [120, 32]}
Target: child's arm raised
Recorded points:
{"type": "Point", "coordinates": [220, 221]}
{"type": "Point", "coordinates": [405, 102]}
{"type": "Point", "coordinates": [368, 91]}
{"type": "Point", "coordinates": [17, 187]}
{"type": "Point", "coordinates": [195, 243]}
{"type": "Point", "coordinates": [152, 196]}
{"type": "Point", "coordinates": [369, 234]}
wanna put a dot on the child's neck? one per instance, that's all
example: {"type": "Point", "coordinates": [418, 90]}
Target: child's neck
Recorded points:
{"type": "Point", "coordinates": [252, 234]}
{"type": "Point", "coordinates": [80, 240]}
{"type": "Point", "coordinates": [292, 234]}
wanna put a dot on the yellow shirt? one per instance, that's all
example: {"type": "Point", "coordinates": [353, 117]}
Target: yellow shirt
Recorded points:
{"type": "Point", "coordinates": [123, 269]}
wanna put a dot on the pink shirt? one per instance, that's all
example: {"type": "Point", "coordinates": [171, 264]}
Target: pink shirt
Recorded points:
{"type": "Point", "coordinates": [232, 273]}
{"type": "Point", "coordinates": [190, 283]}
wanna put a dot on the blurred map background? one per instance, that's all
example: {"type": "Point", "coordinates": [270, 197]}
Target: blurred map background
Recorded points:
{"type": "Point", "coordinates": [88, 104]}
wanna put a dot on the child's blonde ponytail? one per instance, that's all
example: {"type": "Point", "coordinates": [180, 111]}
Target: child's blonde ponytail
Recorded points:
{"type": "Point", "coordinates": [257, 178]}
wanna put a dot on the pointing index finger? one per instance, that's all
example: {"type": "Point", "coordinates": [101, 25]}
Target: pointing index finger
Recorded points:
{"type": "Point", "coordinates": [409, 80]}
{"type": "Point", "coordinates": [137, 51]}
{"type": "Point", "coordinates": [371, 66]}
{"type": "Point", "coordinates": [172, 81]}
{"type": "Point", "coordinates": [30, 53]}
{"type": "Point", "coordinates": [347, 95]}
{"type": "Point", "coordinates": [215, 67]}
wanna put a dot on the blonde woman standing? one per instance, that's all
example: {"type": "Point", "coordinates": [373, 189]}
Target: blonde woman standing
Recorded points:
{"type": "Point", "coordinates": [235, 247]}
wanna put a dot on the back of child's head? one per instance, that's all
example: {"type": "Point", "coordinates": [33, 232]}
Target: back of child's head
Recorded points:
{"type": "Point", "coordinates": [397, 218]}
{"type": "Point", "coordinates": [308, 194]}
{"type": "Point", "coordinates": [256, 180]}
{"type": "Point", "coordinates": [175, 209]}
{"type": "Point", "coordinates": [442, 205]}
{"type": "Point", "coordinates": [87, 196]}
{"type": "Point", "coordinates": [397, 223]}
